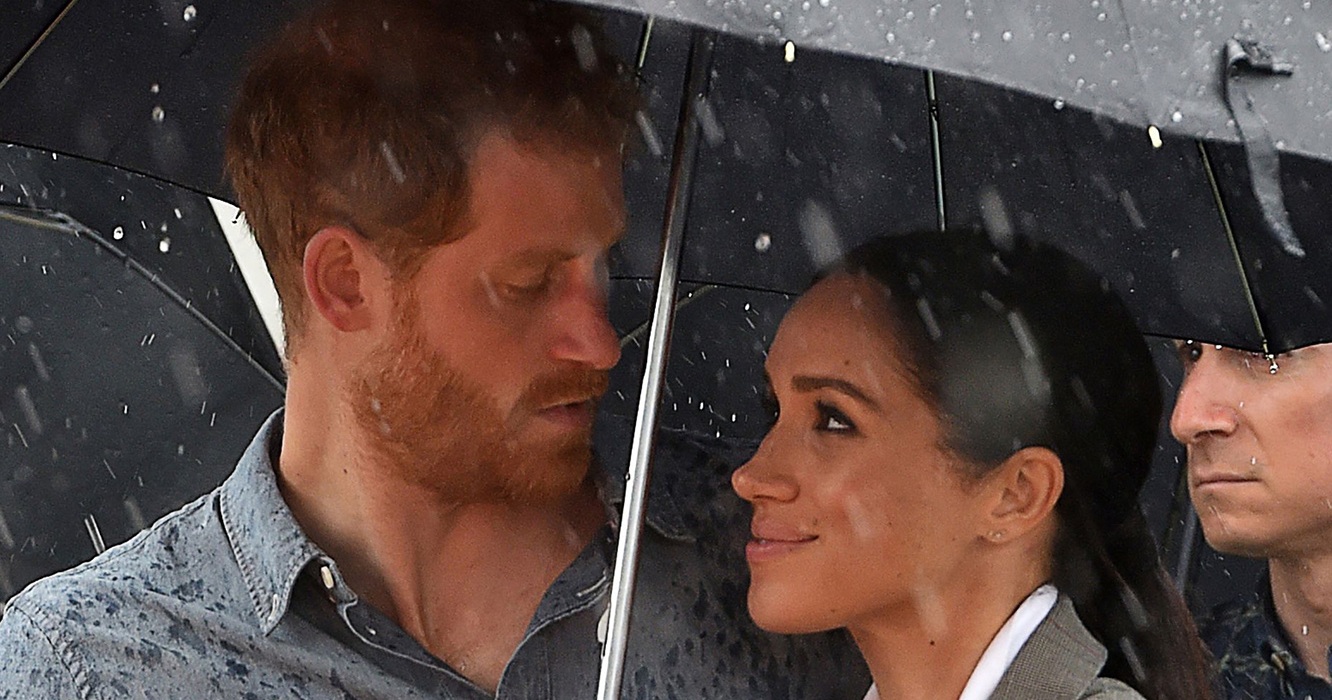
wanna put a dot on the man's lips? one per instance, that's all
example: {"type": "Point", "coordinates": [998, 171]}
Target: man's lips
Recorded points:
{"type": "Point", "coordinates": [576, 413]}
{"type": "Point", "coordinates": [1220, 479]}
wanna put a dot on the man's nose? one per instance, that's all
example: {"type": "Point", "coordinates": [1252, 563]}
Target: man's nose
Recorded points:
{"type": "Point", "coordinates": [1206, 405]}
{"type": "Point", "coordinates": [583, 333]}
{"type": "Point", "coordinates": [762, 478]}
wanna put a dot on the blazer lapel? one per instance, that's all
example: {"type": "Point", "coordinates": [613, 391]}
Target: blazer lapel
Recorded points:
{"type": "Point", "coordinates": [1060, 659]}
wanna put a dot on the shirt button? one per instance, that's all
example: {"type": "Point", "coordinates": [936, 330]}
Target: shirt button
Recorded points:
{"type": "Point", "coordinates": [326, 576]}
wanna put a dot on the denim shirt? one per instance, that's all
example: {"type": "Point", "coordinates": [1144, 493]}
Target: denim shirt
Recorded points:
{"type": "Point", "coordinates": [1255, 659]}
{"type": "Point", "coordinates": [228, 598]}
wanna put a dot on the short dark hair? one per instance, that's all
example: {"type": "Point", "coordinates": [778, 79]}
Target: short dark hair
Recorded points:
{"type": "Point", "coordinates": [1016, 344]}
{"type": "Point", "coordinates": [366, 114]}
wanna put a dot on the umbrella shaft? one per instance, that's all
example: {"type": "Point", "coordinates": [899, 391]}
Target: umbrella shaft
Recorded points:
{"type": "Point", "coordinates": [654, 372]}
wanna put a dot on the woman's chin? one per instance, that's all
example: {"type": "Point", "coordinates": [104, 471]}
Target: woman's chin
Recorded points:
{"type": "Point", "coordinates": [786, 613]}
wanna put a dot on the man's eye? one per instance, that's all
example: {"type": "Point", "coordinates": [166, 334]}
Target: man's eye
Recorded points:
{"type": "Point", "coordinates": [529, 286]}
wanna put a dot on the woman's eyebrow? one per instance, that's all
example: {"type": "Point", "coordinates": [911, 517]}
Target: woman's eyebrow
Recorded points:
{"type": "Point", "coordinates": [806, 383]}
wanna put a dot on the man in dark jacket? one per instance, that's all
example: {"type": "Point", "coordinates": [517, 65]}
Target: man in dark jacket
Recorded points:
{"type": "Point", "coordinates": [1259, 437]}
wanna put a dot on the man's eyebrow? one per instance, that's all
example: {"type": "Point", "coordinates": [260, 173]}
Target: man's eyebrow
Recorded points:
{"type": "Point", "coordinates": [806, 383]}
{"type": "Point", "coordinates": [539, 256]}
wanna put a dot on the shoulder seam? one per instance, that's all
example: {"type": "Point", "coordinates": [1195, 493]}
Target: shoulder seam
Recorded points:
{"type": "Point", "coordinates": [60, 651]}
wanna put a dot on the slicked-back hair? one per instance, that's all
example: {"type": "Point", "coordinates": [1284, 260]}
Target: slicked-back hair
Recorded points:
{"type": "Point", "coordinates": [366, 114]}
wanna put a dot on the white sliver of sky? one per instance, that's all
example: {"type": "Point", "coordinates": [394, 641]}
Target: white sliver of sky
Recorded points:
{"type": "Point", "coordinates": [252, 267]}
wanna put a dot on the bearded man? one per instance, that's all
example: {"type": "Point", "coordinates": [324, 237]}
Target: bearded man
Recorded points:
{"type": "Point", "coordinates": [435, 187]}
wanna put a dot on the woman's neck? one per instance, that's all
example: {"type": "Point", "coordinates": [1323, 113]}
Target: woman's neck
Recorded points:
{"type": "Point", "coordinates": [929, 647]}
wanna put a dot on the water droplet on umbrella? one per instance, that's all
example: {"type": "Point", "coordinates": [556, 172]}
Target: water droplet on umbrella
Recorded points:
{"type": "Point", "coordinates": [823, 3]}
{"type": "Point", "coordinates": [789, 51]}
{"type": "Point", "coordinates": [1065, 36]}
{"type": "Point", "coordinates": [1006, 36]}
{"type": "Point", "coordinates": [1072, 58]}
{"type": "Point", "coordinates": [118, 232]}
{"type": "Point", "coordinates": [1323, 43]}
{"type": "Point", "coordinates": [762, 243]}
{"type": "Point", "coordinates": [159, 114]}
{"type": "Point", "coordinates": [154, 88]}
{"type": "Point", "coordinates": [891, 37]}
{"type": "Point", "coordinates": [1154, 134]}
{"type": "Point", "coordinates": [1058, 104]}
{"type": "Point", "coordinates": [164, 245]}
{"type": "Point", "coordinates": [1176, 116]}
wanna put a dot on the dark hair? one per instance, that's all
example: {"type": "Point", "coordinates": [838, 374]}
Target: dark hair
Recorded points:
{"type": "Point", "coordinates": [366, 114]}
{"type": "Point", "coordinates": [1017, 344]}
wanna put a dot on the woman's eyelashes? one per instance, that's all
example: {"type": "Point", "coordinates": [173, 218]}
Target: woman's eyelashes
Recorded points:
{"type": "Point", "coordinates": [832, 420]}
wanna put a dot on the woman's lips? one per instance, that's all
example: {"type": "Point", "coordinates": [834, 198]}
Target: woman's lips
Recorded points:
{"type": "Point", "coordinates": [769, 541]}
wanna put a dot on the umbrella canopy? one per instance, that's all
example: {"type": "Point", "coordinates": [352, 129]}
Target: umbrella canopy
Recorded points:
{"type": "Point", "coordinates": [1157, 62]}
{"type": "Point", "coordinates": [121, 401]}
{"type": "Point", "coordinates": [787, 154]}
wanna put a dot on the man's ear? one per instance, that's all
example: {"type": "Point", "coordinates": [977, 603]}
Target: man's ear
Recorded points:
{"type": "Point", "coordinates": [341, 274]}
{"type": "Point", "coordinates": [1026, 487]}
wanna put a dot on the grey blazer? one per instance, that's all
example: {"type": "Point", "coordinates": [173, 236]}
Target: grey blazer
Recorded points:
{"type": "Point", "coordinates": [1060, 661]}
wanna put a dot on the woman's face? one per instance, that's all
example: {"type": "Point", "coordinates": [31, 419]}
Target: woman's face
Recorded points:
{"type": "Point", "coordinates": [858, 511]}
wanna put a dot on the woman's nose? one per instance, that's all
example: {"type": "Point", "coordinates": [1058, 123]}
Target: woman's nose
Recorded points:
{"type": "Point", "coordinates": [763, 477]}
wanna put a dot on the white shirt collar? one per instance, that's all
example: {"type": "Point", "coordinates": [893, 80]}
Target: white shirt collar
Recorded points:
{"type": "Point", "coordinates": [1005, 645]}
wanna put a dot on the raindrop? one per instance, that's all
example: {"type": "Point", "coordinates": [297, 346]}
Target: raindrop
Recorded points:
{"type": "Point", "coordinates": [155, 88]}
{"type": "Point", "coordinates": [1176, 116]}
{"type": "Point", "coordinates": [649, 134]}
{"type": "Point", "coordinates": [190, 13]}
{"type": "Point", "coordinates": [1072, 58]}
{"type": "Point", "coordinates": [819, 235]}
{"type": "Point", "coordinates": [1154, 134]}
{"type": "Point", "coordinates": [1174, 254]}
{"type": "Point", "coordinates": [178, 214]}
{"type": "Point", "coordinates": [995, 215]}
{"type": "Point", "coordinates": [395, 168]}
{"type": "Point", "coordinates": [927, 317]}
{"type": "Point", "coordinates": [824, 3]}
{"type": "Point", "coordinates": [1100, 17]}
{"type": "Point", "coordinates": [159, 114]}
{"type": "Point", "coordinates": [29, 408]}
{"type": "Point", "coordinates": [1059, 103]}
{"type": "Point", "coordinates": [763, 243]}
{"type": "Point", "coordinates": [583, 49]}
{"type": "Point", "coordinates": [789, 54]}
{"type": "Point", "coordinates": [707, 120]}
{"type": "Point", "coordinates": [1065, 36]}
{"type": "Point", "coordinates": [975, 36]}
{"type": "Point", "coordinates": [94, 533]}
{"type": "Point", "coordinates": [1006, 36]}
{"type": "Point", "coordinates": [891, 37]}
{"type": "Point", "coordinates": [118, 232]}
{"type": "Point", "coordinates": [1132, 211]}
{"type": "Point", "coordinates": [164, 245]}
{"type": "Point", "coordinates": [43, 371]}
{"type": "Point", "coordinates": [1323, 43]}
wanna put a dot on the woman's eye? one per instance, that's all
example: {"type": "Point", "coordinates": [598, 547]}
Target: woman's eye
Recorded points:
{"type": "Point", "coordinates": [834, 421]}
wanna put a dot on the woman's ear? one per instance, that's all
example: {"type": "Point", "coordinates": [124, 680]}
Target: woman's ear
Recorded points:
{"type": "Point", "coordinates": [341, 275]}
{"type": "Point", "coordinates": [1025, 489]}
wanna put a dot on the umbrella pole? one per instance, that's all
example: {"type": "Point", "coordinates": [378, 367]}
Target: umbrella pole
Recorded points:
{"type": "Point", "coordinates": [616, 644]}
{"type": "Point", "coordinates": [33, 49]}
{"type": "Point", "coordinates": [933, 102]}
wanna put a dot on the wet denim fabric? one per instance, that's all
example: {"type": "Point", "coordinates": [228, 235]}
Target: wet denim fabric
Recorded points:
{"type": "Point", "coordinates": [227, 598]}
{"type": "Point", "coordinates": [1255, 659]}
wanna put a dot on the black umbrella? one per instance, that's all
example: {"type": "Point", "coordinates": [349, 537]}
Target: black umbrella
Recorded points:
{"type": "Point", "coordinates": [121, 399]}
{"type": "Point", "coordinates": [770, 158]}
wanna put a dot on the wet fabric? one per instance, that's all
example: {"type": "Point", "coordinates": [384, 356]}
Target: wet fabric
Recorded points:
{"type": "Point", "coordinates": [227, 597]}
{"type": "Point", "coordinates": [1255, 659]}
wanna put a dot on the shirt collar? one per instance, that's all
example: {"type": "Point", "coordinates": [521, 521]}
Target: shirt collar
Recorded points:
{"type": "Point", "coordinates": [272, 549]}
{"type": "Point", "coordinates": [268, 543]}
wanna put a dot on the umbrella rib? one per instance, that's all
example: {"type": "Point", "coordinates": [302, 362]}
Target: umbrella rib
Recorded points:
{"type": "Point", "coordinates": [937, 153]}
{"type": "Point", "coordinates": [69, 225]}
{"type": "Point", "coordinates": [643, 40]}
{"type": "Point", "coordinates": [13, 70]}
{"type": "Point", "coordinates": [1234, 246]}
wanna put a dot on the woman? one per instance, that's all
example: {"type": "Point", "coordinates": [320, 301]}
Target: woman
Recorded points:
{"type": "Point", "coordinates": [953, 477]}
